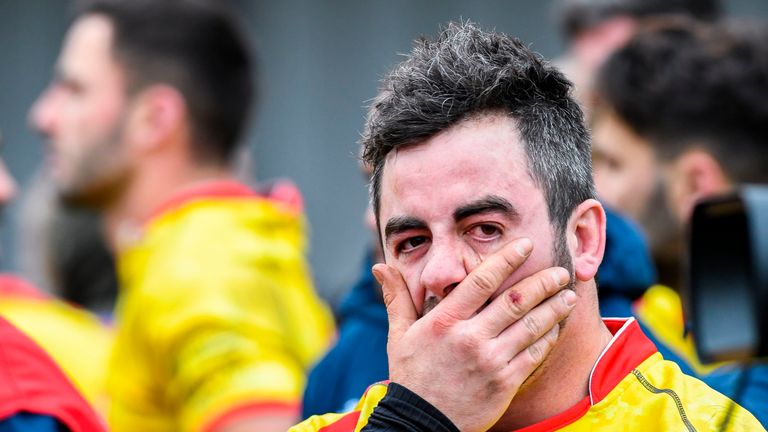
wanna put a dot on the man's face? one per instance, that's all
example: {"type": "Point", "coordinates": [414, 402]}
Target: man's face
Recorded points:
{"type": "Point", "coordinates": [449, 202]}
{"type": "Point", "coordinates": [626, 172]}
{"type": "Point", "coordinates": [82, 115]}
{"type": "Point", "coordinates": [631, 180]}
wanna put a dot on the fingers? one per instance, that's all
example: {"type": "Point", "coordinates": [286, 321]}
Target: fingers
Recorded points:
{"type": "Point", "coordinates": [475, 290]}
{"type": "Point", "coordinates": [525, 363]}
{"type": "Point", "coordinates": [400, 309]}
{"type": "Point", "coordinates": [515, 302]}
{"type": "Point", "coordinates": [536, 324]}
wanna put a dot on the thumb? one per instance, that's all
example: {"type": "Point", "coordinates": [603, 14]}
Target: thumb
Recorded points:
{"type": "Point", "coordinates": [400, 309]}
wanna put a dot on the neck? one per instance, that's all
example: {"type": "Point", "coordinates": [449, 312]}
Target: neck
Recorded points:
{"type": "Point", "coordinates": [151, 186]}
{"type": "Point", "coordinates": [565, 373]}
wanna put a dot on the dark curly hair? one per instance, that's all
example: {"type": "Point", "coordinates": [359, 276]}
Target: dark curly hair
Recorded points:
{"type": "Point", "coordinates": [680, 83]}
{"type": "Point", "coordinates": [466, 72]}
{"type": "Point", "coordinates": [576, 16]}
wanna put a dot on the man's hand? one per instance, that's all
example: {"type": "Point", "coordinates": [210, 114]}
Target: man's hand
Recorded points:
{"type": "Point", "coordinates": [470, 364]}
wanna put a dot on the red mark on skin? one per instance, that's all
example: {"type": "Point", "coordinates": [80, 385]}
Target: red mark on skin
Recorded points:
{"type": "Point", "coordinates": [515, 297]}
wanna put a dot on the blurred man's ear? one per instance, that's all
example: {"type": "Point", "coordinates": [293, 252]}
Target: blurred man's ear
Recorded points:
{"type": "Point", "coordinates": [157, 117]}
{"type": "Point", "coordinates": [693, 176]}
{"type": "Point", "coordinates": [586, 238]}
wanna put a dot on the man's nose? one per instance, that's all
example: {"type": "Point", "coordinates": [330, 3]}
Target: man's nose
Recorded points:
{"type": "Point", "coordinates": [42, 115]}
{"type": "Point", "coordinates": [443, 271]}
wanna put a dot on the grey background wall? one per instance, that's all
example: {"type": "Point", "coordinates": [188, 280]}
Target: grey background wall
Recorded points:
{"type": "Point", "coordinates": [319, 62]}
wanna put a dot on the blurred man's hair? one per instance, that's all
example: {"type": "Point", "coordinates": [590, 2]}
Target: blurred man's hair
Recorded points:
{"type": "Point", "coordinates": [680, 83]}
{"type": "Point", "coordinates": [466, 73]}
{"type": "Point", "coordinates": [194, 46]}
{"type": "Point", "coordinates": [577, 16]}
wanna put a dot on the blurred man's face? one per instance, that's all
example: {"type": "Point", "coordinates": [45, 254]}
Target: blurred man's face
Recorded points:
{"type": "Point", "coordinates": [451, 201]}
{"type": "Point", "coordinates": [82, 115]}
{"type": "Point", "coordinates": [629, 179]}
{"type": "Point", "coordinates": [626, 172]}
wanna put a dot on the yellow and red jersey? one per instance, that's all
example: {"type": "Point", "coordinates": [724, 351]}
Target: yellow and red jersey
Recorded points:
{"type": "Point", "coordinates": [31, 383]}
{"type": "Point", "coordinates": [76, 339]}
{"type": "Point", "coordinates": [631, 387]}
{"type": "Point", "coordinates": [217, 317]}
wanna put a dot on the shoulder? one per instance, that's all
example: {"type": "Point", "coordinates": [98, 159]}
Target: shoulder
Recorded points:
{"type": "Point", "coordinates": [660, 394]}
{"type": "Point", "coordinates": [30, 381]}
{"type": "Point", "coordinates": [345, 422]}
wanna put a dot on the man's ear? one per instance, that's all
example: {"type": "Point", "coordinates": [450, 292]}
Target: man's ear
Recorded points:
{"type": "Point", "coordinates": [586, 235]}
{"type": "Point", "coordinates": [158, 114]}
{"type": "Point", "coordinates": [695, 175]}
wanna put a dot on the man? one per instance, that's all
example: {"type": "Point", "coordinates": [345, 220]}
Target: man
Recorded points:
{"type": "Point", "coordinates": [474, 142]}
{"type": "Point", "coordinates": [594, 29]}
{"type": "Point", "coordinates": [217, 320]}
{"type": "Point", "coordinates": [694, 97]}
{"type": "Point", "coordinates": [624, 176]}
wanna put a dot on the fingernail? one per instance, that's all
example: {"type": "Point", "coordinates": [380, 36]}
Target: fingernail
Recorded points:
{"type": "Point", "coordinates": [523, 246]}
{"type": "Point", "coordinates": [561, 276]}
{"type": "Point", "coordinates": [569, 297]}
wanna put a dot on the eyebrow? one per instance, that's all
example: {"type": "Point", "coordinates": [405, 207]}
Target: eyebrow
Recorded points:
{"type": "Point", "coordinates": [487, 204]}
{"type": "Point", "coordinates": [400, 224]}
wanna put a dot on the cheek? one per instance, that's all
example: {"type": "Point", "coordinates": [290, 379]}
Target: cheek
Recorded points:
{"type": "Point", "coordinates": [540, 259]}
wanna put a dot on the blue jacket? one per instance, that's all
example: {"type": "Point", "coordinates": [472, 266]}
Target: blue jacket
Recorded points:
{"type": "Point", "coordinates": [627, 269]}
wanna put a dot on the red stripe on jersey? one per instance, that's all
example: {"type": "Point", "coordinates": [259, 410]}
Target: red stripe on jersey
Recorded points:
{"type": "Point", "coordinates": [344, 424]}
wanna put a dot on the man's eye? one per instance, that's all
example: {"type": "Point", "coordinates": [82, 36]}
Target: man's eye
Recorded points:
{"type": "Point", "coordinates": [411, 243]}
{"type": "Point", "coordinates": [485, 232]}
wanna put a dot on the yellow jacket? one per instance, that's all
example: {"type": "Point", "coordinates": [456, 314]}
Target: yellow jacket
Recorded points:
{"type": "Point", "coordinates": [216, 316]}
{"type": "Point", "coordinates": [631, 388]}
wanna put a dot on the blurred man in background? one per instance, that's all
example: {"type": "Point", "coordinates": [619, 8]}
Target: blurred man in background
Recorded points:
{"type": "Point", "coordinates": [217, 320]}
{"type": "Point", "coordinates": [694, 97]}
{"type": "Point", "coordinates": [594, 29]}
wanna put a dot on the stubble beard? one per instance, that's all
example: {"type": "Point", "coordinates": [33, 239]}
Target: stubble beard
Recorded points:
{"type": "Point", "coordinates": [562, 258]}
{"type": "Point", "coordinates": [98, 176]}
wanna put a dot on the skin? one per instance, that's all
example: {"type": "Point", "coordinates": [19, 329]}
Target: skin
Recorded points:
{"type": "Point", "coordinates": [694, 175]}
{"type": "Point", "coordinates": [83, 114]}
{"type": "Point", "coordinates": [123, 154]}
{"type": "Point", "coordinates": [453, 209]}
{"type": "Point", "coordinates": [625, 167]}
{"type": "Point", "coordinates": [659, 196]}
